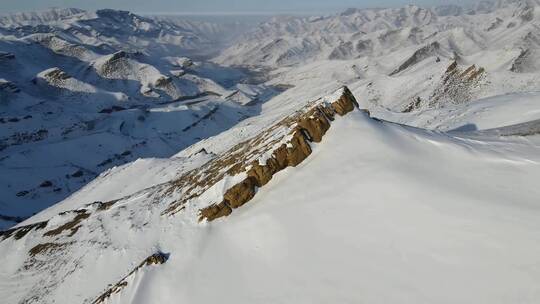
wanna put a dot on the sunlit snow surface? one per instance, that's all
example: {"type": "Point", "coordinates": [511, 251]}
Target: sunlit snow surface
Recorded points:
{"type": "Point", "coordinates": [408, 217]}
{"type": "Point", "coordinates": [378, 213]}
{"type": "Point", "coordinates": [444, 210]}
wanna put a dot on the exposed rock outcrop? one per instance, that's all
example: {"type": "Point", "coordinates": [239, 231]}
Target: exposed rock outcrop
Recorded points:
{"type": "Point", "coordinates": [113, 66]}
{"type": "Point", "coordinates": [56, 74]}
{"type": "Point", "coordinates": [20, 232]}
{"type": "Point", "coordinates": [429, 50]}
{"type": "Point", "coordinates": [55, 246]}
{"type": "Point", "coordinates": [63, 47]}
{"type": "Point", "coordinates": [44, 248]}
{"type": "Point", "coordinates": [54, 77]}
{"type": "Point", "coordinates": [6, 56]}
{"type": "Point", "coordinates": [71, 226]}
{"type": "Point", "coordinates": [457, 85]}
{"type": "Point", "coordinates": [285, 144]}
{"type": "Point", "coordinates": [413, 105]}
{"type": "Point", "coordinates": [524, 62]}
{"type": "Point", "coordinates": [8, 87]}
{"type": "Point", "coordinates": [498, 21]}
{"type": "Point", "coordinates": [155, 259]}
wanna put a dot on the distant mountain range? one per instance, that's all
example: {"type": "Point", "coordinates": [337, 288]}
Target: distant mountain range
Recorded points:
{"type": "Point", "coordinates": [109, 86]}
{"type": "Point", "coordinates": [371, 156]}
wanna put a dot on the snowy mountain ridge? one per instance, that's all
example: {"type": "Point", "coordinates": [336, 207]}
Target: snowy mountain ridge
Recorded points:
{"type": "Point", "coordinates": [373, 156]}
{"type": "Point", "coordinates": [377, 32]}
{"type": "Point", "coordinates": [53, 16]}
{"type": "Point", "coordinates": [69, 82]}
{"type": "Point", "coordinates": [401, 57]}
{"type": "Point", "coordinates": [207, 192]}
{"type": "Point", "coordinates": [150, 245]}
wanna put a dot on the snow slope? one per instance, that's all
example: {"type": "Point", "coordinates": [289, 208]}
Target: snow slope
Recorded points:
{"type": "Point", "coordinates": [382, 231]}
{"type": "Point", "coordinates": [410, 216]}
{"type": "Point", "coordinates": [202, 182]}
{"type": "Point", "coordinates": [482, 114]}
{"type": "Point", "coordinates": [69, 82]}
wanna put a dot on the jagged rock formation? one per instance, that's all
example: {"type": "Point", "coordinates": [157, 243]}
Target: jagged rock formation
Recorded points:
{"type": "Point", "coordinates": [211, 190]}
{"type": "Point", "coordinates": [8, 87]}
{"type": "Point", "coordinates": [124, 66]}
{"type": "Point", "coordinates": [7, 90]}
{"type": "Point", "coordinates": [457, 85]}
{"type": "Point", "coordinates": [413, 105]}
{"type": "Point", "coordinates": [55, 76]}
{"type": "Point", "coordinates": [65, 48]}
{"type": "Point", "coordinates": [115, 66]}
{"type": "Point", "coordinates": [498, 21]}
{"type": "Point", "coordinates": [257, 160]}
{"type": "Point", "coordinates": [19, 232]}
{"type": "Point", "coordinates": [525, 62]}
{"type": "Point", "coordinates": [285, 144]}
{"type": "Point", "coordinates": [427, 51]}
{"type": "Point", "coordinates": [155, 259]}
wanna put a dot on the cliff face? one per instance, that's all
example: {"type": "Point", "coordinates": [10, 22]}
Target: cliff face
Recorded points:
{"type": "Point", "coordinates": [254, 162]}
{"type": "Point", "coordinates": [117, 233]}
{"type": "Point", "coordinates": [306, 127]}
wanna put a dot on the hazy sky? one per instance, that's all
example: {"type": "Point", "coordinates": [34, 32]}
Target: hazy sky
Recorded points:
{"type": "Point", "coordinates": [214, 6]}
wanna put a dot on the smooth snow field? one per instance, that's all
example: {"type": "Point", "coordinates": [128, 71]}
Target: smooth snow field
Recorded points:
{"type": "Point", "coordinates": [379, 213]}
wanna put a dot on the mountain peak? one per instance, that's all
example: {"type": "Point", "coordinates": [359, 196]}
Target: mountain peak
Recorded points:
{"type": "Point", "coordinates": [52, 15]}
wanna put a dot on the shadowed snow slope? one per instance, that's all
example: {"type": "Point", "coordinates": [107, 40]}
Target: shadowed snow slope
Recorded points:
{"type": "Point", "coordinates": [410, 216]}
{"type": "Point", "coordinates": [109, 87]}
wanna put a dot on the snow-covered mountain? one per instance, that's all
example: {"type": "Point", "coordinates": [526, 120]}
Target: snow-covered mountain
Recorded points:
{"type": "Point", "coordinates": [406, 55]}
{"type": "Point", "coordinates": [313, 191]}
{"type": "Point", "coordinates": [106, 29]}
{"type": "Point", "coordinates": [377, 32]}
{"type": "Point", "coordinates": [109, 87]}
{"type": "Point", "coordinates": [377, 156]}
